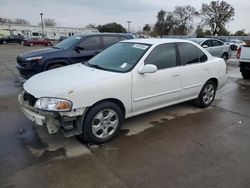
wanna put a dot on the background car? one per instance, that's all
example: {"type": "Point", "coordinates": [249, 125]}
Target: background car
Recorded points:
{"type": "Point", "coordinates": [37, 41]}
{"type": "Point", "coordinates": [214, 46]}
{"type": "Point", "coordinates": [236, 44]}
{"type": "Point", "coordinates": [71, 50]}
{"type": "Point", "coordinates": [12, 39]}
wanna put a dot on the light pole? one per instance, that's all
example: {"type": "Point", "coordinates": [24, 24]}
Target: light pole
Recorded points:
{"type": "Point", "coordinates": [42, 24]}
{"type": "Point", "coordinates": [129, 22]}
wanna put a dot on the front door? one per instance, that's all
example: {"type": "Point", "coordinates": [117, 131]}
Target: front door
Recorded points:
{"type": "Point", "coordinates": [89, 48]}
{"type": "Point", "coordinates": [154, 90]}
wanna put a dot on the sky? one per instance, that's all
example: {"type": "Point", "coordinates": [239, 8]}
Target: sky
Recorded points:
{"type": "Point", "coordinates": [79, 13]}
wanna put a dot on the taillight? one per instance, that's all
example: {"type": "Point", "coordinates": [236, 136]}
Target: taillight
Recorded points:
{"type": "Point", "coordinates": [238, 52]}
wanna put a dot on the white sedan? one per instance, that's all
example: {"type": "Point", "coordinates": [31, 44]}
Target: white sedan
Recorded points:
{"type": "Point", "coordinates": [91, 99]}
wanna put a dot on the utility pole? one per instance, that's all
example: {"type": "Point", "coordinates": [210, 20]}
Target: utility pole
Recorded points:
{"type": "Point", "coordinates": [42, 24]}
{"type": "Point", "coordinates": [129, 22]}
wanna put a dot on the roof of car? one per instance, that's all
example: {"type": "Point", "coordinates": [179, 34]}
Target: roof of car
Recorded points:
{"type": "Point", "coordinates": [102, 34]}
{"type": "Point", "coordinates": [155, 40]}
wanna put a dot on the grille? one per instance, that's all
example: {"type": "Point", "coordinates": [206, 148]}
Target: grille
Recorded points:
{"type": "Point", "coordinates": [30, 98]}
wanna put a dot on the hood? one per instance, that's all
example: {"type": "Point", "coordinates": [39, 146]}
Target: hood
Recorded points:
{"type": "Point", "coordinates": [40, 52]}
{"type": "Point", "coordinates": [59, 82]}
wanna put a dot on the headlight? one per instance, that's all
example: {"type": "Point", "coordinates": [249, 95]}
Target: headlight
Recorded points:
{"type": "Point", "coordinates": [34, 58]}
{"type": "Point", "coordinates": [53, 104]}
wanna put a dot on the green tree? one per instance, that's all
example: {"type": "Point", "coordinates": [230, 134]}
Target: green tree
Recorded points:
{"type": "Point", "coordinates": [111, 27]}
{"type": "Point", "coordinates": [216, 15]}
{"type": "Point", "coordinates": [240, 33]}
{"type": "Point", "coordinates": [146, 28]}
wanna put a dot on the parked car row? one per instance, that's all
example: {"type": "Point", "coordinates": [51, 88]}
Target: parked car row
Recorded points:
{"type": "Point", "coordinates": [92, 98]}
{"type": "Point", "coordinates": [25, 41]}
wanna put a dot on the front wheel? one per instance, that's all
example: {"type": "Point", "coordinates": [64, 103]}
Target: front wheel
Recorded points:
{"type": "Point", "coordinates": [102, 123]}
{"type": "Point", "coordinates": [206, 95]}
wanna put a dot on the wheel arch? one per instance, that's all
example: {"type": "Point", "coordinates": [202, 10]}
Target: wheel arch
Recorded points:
{"type": "Point", "coordinates": [215, 80]}
{"type": "Point", "coordinates": [115, 101]}
{"type": "Point", "coordinates": [49, 63]}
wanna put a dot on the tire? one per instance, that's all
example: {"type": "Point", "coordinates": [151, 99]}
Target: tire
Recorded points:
{"type": "Point", "coordinates": [31, 44]}
{"type": "Point", "coordinates": [102, 123]}
{"type": "Point", "coordinates": [206, 95]}
{"type": "Point", "coordinates": [5, 42]}
{"type": "Point", "coordinates": [49, 44]}
{"type": "Point", "coordinates": [50, 67]}
{"type": "Point", "coordinates": [245, 74]}
{"type": "Point", "coordinates": [224, 56]}
{"type": "Point", "coordinates": [21, 42]}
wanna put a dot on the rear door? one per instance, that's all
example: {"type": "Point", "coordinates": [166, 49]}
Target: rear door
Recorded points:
{"type": "Point", "coordinates": [195, 70]}
{"type": "Point", "coordinates": [90, 47]}
{"type": "Point", "coordinates": [218, 48]}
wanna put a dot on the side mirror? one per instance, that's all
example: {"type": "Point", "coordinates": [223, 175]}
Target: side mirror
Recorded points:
{"type": "Point", "coordinates": [78, 48]}
{"type": "Point", "coordinates": [148, 68]}
{"type": "Point", "coordinates": [205, 46]}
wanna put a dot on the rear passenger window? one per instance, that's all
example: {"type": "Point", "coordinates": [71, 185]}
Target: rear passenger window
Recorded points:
{"type": "Point", "coordinates": [163, 56]}
{"type": "Point", "coordinates": [188, 53]}
{"type": "Point", "coordinates": [216, 43]}
{"type": "Point", "coordinates": [109, 40]}
{"type": "Point", "coordinates": [202, 56]}
{"type": "Point", "coordinates": [92, 43]}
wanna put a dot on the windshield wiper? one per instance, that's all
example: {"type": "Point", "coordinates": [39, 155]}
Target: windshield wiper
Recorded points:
{"type": "Point", "coordinates": [92, 65]}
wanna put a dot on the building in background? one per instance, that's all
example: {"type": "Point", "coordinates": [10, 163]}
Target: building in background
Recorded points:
{"type": "Point", "coordinates": [51, 32]}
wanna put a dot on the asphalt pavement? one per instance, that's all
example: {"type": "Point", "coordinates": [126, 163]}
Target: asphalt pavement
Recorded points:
{"type": "Point", "coordinates": [178, 146]}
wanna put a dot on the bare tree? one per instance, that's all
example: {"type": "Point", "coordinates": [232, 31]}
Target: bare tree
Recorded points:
{"type": "Point", "coordinates": [165, 23]}
{"type": "Point", "coordinates": [184, 16]}
{"type": "Point", "coordinates": [216, 15]}
{"type": "Point", "coordinates": [90, 25]}
{"type": "Point", "coordinates": [20, 21]}
{"type": "Point", "coordinates": [48, 22]}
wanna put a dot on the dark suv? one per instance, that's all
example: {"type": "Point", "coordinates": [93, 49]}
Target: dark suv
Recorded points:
{"type": "Point", "coordinates": [12, 39]}
{"type": "Point", "coordinates": [74, 49]}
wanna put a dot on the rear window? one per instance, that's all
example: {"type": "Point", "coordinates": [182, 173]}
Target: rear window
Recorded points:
{"type": "Point", "coordinates": [188, 53]}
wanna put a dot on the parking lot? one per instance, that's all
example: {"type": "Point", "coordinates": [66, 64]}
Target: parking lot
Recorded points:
{"type": "Point", "coordinates": [178, 146]}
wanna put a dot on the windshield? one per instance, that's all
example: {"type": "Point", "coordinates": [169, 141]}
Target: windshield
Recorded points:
{"type": "Point", "coordinates": [120, 57]}
{"type": "Point", "coordinates": [196, 40]}
{"type": "Point", "coordinates": [67, 43]}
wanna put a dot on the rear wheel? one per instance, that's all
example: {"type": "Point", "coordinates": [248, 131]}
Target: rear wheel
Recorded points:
{"type": "Point", "coordinates": [31, 44]}
{"type": "Point", "coordinates": [4, 42]}
{"type": "Point", "coordinates": [225, 56]}
{"type": "Point", "coordinates": [102, 123]}
{"type": "Point", "coordinates": [245, 74]}
{"type": "Point", "coordinates": [206, 95]}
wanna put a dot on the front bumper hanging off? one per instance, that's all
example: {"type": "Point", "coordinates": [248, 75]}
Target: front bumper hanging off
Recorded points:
{"type": "Point", "coordinates": [70, 123]}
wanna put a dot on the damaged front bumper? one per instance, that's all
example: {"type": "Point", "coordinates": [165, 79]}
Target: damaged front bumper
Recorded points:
{"type": "Point", "coordinates": [70, 123]}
